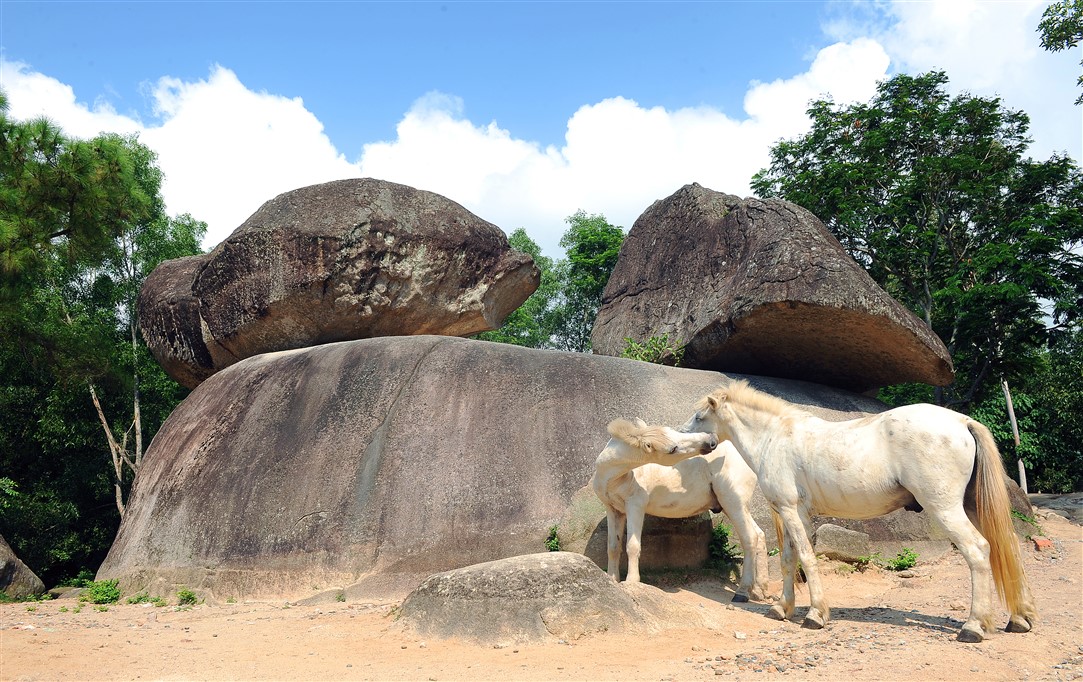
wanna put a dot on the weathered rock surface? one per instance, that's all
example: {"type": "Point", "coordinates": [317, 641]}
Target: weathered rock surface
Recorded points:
{"type": "Point", "coordinates": [761, 287]}
{"type": "Point", "coordinates": [537, 597]}
{"type": "Point", "coordinates": [16, 579]}
{"type": "Point", "coordinates": [370, 465]}
{"type": "Point", "coordinates": [842, 544]}
{"type": "Point", "coordinates": [1069, 505]}
{"type": "Point", "coordinates": [343, 260]}
{"type": "Point", "coordinates": [519, 599]}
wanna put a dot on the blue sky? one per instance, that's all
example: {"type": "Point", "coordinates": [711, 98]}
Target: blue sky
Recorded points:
{"type": "Point", "coordinates": [524, 112]}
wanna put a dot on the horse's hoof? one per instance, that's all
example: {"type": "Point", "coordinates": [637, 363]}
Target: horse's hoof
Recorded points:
{"type": "Point", "coordinates": [969, 636]}
{"type": "Point", "coordinates": [1018, 624]}
{"type": "Point", "coordinates": [812, 622]}
{"type": "Point", "coordinates": [742, 598]}
{"type": "Point", "coordinates": [777, 613]}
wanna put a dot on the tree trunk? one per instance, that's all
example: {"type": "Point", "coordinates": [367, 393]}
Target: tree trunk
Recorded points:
{"type": "Point", "coordinates": [116, 451]}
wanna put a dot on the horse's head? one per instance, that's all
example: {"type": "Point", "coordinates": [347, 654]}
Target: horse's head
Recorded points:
{"type": "Point", "coordinates": [662, 444]}
{"type": "Point", "coordinates": [714, 412]}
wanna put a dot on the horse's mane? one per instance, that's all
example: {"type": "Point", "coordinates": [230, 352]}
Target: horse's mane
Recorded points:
{"type": "Point", "coordinates": [741, 393]}
{"type": "Point", "coordinates": [638, 436]}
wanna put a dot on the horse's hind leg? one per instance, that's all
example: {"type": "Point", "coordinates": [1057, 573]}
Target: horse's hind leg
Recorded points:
{"type": "Point", "coordinates": [734, 495]}
{"type": "Point", "coordinates": [975, 549]}
{"type": "Point", "coordinates": [783, 606]}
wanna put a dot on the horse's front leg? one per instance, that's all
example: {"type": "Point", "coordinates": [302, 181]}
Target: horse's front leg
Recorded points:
{"type": "Point", "coordinates": [614, 541]}
{"type": "Point", "coordinates": [635, 513]}
{"type": "Point", "coordinates": [735, 502]}
{"type": "Point", "coordinates": [797, 530]}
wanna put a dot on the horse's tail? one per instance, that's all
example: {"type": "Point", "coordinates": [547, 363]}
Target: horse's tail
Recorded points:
{"type": "Point", "coordinates": [781, 534]}
{"type": "Point", "coordinates": [993, 511]}
{"type": "Point", "coordinates": [799, 575]}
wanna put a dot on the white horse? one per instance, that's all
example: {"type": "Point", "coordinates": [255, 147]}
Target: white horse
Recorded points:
{"type": "Point", "coordinates": [635, 476]}
{"type": "Point", "coordinates": [918, 456]}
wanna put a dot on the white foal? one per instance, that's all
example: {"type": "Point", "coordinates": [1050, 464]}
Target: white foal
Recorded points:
{"type": "Point", "coordinates": [634, 477]}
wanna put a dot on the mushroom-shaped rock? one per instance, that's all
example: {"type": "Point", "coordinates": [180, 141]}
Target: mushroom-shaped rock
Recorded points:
{"type": "Point", "coordinates": [761, 287]}
{"type": "Point", "coordinates": [339, 261]}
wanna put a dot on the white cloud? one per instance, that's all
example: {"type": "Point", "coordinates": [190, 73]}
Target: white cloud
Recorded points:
{"type": "Point", "coordinates": [225, 149]}
{"type": "Point", "coordinates": [846, 72]}
{"type": "Point", "coordinates": [618, 156]}
{"type": "Point", "coordinates": [989, 49]}
{"type": "Point", "coordinates": [31, 94]}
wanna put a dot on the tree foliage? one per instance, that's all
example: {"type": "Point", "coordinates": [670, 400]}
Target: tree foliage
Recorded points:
{"type": "Point", "coordinates": [1061, 28]}
{"type": "Point", "coordinates": [82, 224]}
{"type": "Point", "coordinates": [560, 313]}
{"type": "Point", "coordinates": [61, 197]}
{"type": "Point", "coordinates": [528, 325]}
{"type": "Point", "coordinates": [592, 246]}
{"type": "Point", "coordinates": [933, 195]}
{"type": "Point", "coordinates": [1049, 409]}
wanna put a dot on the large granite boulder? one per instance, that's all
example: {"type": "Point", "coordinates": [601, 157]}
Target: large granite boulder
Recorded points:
{"type": "Point", "coordinates": [761, 287]}
{"type": "Point", "coordinates": [344, 260]}
{"type": "Point", "coordinates": [366, 466]}
{"type": "Point", "coordinates": [17, 581]}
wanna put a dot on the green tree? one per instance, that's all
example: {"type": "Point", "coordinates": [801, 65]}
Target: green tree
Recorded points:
{"type": "Point", "coordinates": [529, 324]}
{"type": "Point", "coordinates": [1061, 28]}
{"type": "Point", "coordinates": [1049, 409]}
{"type": "Point", "coordinates": [592, 246]}
{"type": "Point", "coordinates": [60, 196]}
{"type": "Point", "coordinates": [932, 194]}
{"type": "Point", "coordinates": [74, 259]}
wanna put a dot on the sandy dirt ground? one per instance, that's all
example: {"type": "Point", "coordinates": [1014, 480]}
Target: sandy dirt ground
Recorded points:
{"type": "Point", "coordinates": [884, 627]}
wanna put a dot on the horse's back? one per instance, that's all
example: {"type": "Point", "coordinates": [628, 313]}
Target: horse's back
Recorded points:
{"type": "Point", "coordinates": [871, 466]}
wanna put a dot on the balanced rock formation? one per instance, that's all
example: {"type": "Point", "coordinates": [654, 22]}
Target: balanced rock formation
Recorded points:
{"type": "Point", "coordinates": [343, 260]}
{"type": "Point", "coordinates": [761, 287]}
{"type": "Point", "coordinates": [17, 581]}
{"type": "Point", "coordinates": [366, 466]}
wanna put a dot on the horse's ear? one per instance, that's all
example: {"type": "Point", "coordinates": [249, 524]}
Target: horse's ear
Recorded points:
{"type": "Point", "coordinates": [640, 423]}
{"type": "Point", "coordinates": [713, 402]}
